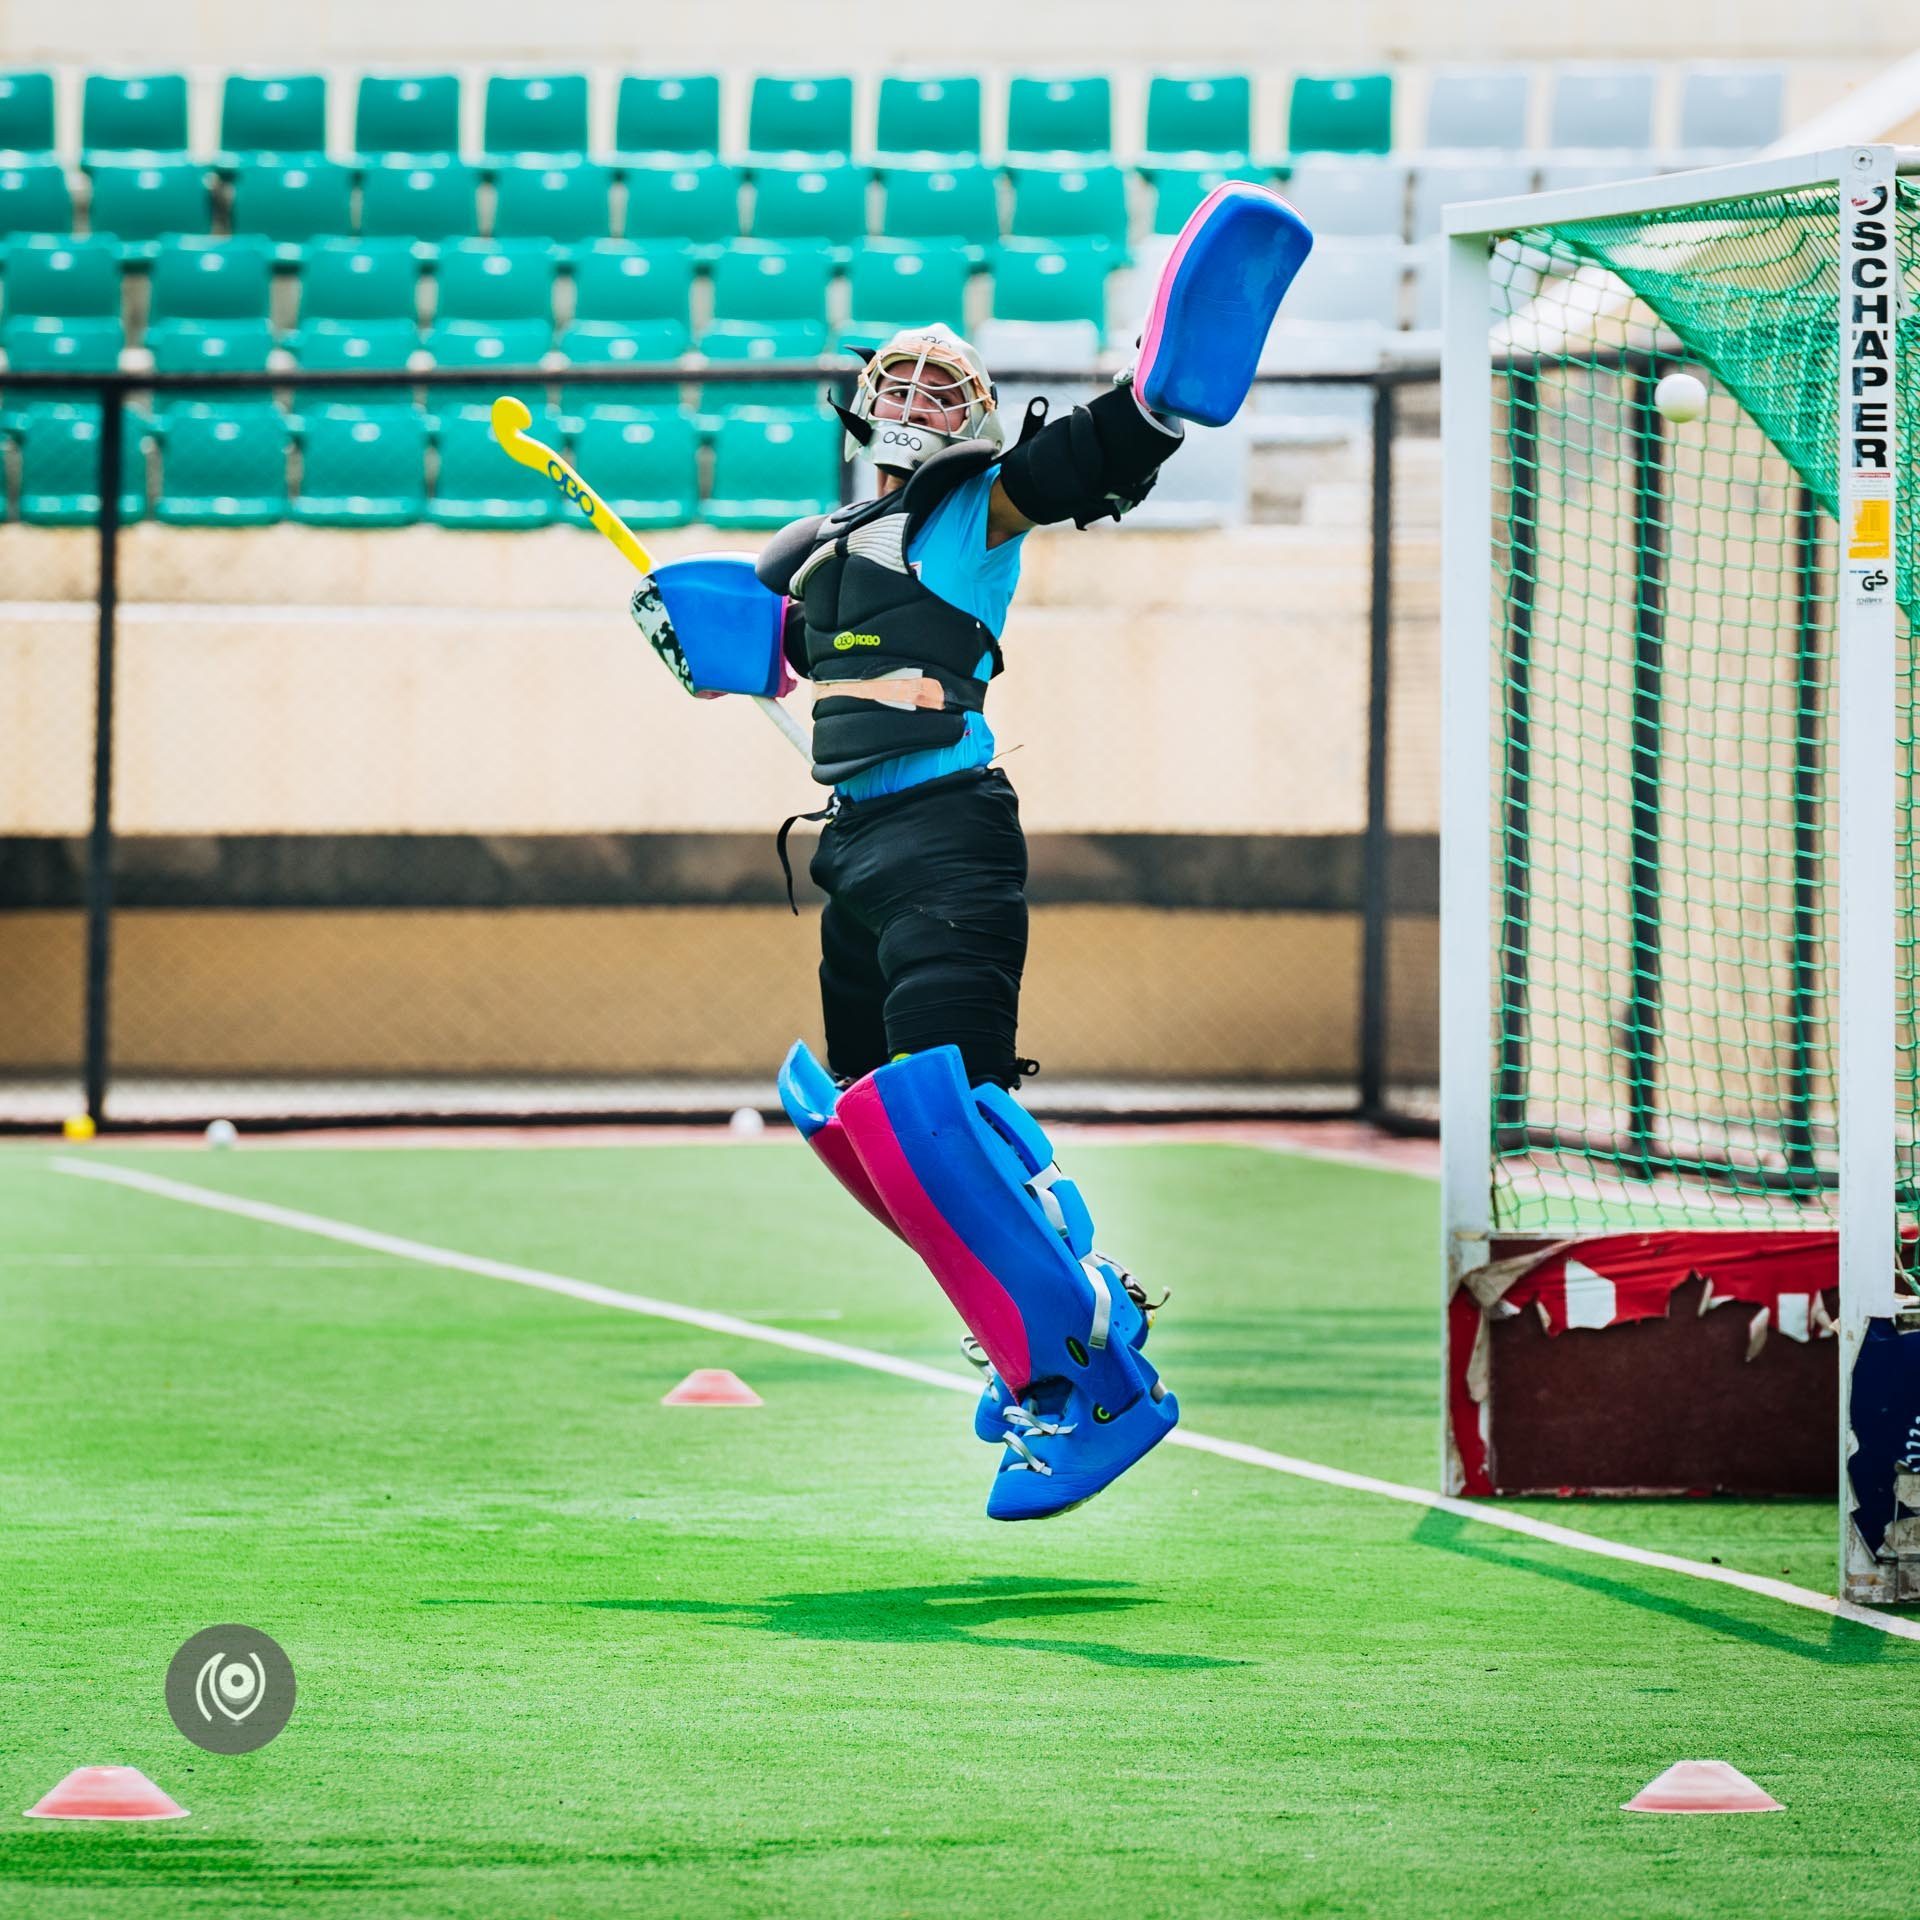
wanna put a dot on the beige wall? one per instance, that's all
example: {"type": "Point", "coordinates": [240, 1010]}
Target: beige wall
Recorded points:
{"type": "Point", "coordinates": [295, 680]}
{"type": "Point", "coordinates": [994, 33]}
{"type": "Point", "coordinates": [428, 681]}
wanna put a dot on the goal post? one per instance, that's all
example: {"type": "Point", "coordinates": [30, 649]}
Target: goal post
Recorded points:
{"type": "Point", "coordinates": [1680, 987]}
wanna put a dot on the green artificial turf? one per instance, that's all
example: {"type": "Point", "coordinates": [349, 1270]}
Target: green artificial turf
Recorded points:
{"type": "Point", "coordinates": [565, 1651]}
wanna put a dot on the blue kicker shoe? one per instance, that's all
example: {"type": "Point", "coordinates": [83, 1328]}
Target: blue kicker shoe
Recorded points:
{"type": "Point", "coordinates": [1061, 1446]}
{"type": "Point", "coordinates": [989, 1413]}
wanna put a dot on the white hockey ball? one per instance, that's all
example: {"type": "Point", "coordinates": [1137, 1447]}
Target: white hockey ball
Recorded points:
{"type": "Point", "coordinates": [746, 1122]}
{"type": "Point", "coordinates": [1681, 396]}
{"type": "Point", "coordinates": [221, 1133]}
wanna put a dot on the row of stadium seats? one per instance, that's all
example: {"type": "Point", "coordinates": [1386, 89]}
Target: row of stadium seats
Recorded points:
{"type": "Point", "coordinates": [395, 465]}
{"type": "Point", "coordinates": [1187, 115]}
{"type": "Point", "coordinates": [211, 304]}
{"type": "Point", "coordinates": [572, 204]}
{"type": "Point", "coordinates": [575, 202]}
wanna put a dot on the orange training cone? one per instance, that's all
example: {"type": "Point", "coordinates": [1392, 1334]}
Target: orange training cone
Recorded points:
{"type": "Point", "coordinates": [712, 1387]}
{"type": "Point", "coordinates": [107, 1793]}
{"type": "Point", "coordinates": [1702, 1786]}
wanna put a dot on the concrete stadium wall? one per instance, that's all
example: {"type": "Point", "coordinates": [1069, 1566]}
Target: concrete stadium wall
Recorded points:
{"type": "Point", "coordinates": [297, 688]}
{"type": "Point", "coordinates": [990, 34]}
{"type": "Point", "coordinates": [299, 680]}
{"type": "Point", "coordinates": [697, 991]}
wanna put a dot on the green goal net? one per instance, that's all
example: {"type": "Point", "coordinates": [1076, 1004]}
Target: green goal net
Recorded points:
{"type": "Point", "coordinates": [1664, 864]}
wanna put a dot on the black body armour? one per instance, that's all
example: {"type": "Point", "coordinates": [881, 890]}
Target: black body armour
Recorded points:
{"type": "Point", "coordinates": [867, 617]}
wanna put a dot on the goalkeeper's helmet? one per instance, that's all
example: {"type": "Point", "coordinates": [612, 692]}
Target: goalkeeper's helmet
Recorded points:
{"type": "Point", "coordinates": [922, 390]}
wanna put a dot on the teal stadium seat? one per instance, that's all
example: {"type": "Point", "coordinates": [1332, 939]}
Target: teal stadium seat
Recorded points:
{"type": "Point", "coordinates": [60, 465]}
{"type": "Point", "coordinates": [413, 113]}
{"type": "Point", "coordinates": [62, 278]}
{"type": "Point", "coordinates": [340, 346]}
{"type": "Point", "coordinates": [698, 204]}
{"type": "Point", "coordinates": [78, 347]}
{"type": "Point", "coordinates": [760, 280]}
{"type": "Point", "coordinates": [960, 203]}
{"type": "Point", "coordinates": [26, 113]}
{"type": "Point", "coordinates": [1035, 281]}
{"type": "Point", "coordinates": [205, 279]}
{"type": "Point", "coordinates": [1071, 203]}
{"type": "Point", "coordinates": [478, 487]}
{"type": "Point", "coordinates": [425, 203]}
{"type": "Point", "coordinates": [281, 116]}
{"type": "Point", "coordinates": [34, 198]}
{"type": "Point", "coordinates": [133, 113]}
{"type": "Point", "coordinates": [929, 115]}
{"type": "Point", "coordinates": [801, 113]}
{"type": "Point", "coordinates": [675, 114]}
{"type": "Point", "coordinates": [622, 281]}
{"type": "Point", "coordinates": [360, 280]}
{"type": "Point", "coordinates": [537, 113]}
{"type": "Point", "coordinates": [568, 203]}
{"type": "Point", "coordinates": [770, 467]}
{"type": "Point", "coordinates": [209, 314]}
{"type": "Point", "coordinates": [292, 202]}
{"type": "Point", "coordinates": [1178, 189]}
{"type": "Point", "coordinates": [1060, 116]}
{"type": "Point", "coordinates": [1341, 113]}
{"type": "Point", "coordinates": [363, 469]}
{"type": "Point", "coordinates": [633, 343]}
{"type": "Point", "coordinates": [223, 467]}
{"type": "Point", "coordinates": [1199, 119]}
{"type": "Point", "coordinates": [488, 281]}
{"type": "Point", "coordinates": [811, 202]}
{"type": "Point", "coordinates": [464, 345]}
{"type": "Point", "coordinates": [141, 202]}
{"type": "Point", "coordinates": [645, 463]}
{"type": "Point", "coordinates": [768, 340]}
{"type": "Point", "coordinates": [209, 346]}
{"type": "Point", "coordinates": [899, 283]}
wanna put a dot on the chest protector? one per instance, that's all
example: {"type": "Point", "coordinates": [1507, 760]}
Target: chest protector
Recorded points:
{"type": "Point", "coordinates": [868, 622]}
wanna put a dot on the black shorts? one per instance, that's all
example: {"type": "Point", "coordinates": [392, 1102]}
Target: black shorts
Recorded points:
{"type": "Point", "coordinates": [924, 936]}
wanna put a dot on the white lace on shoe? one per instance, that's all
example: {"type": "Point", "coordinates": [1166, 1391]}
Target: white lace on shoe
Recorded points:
{"type": "Point", "coordinates": [1021, 1422]}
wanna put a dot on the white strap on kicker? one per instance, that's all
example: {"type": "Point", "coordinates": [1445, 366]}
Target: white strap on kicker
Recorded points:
{"type": "Point", "coordinates": [1041, 1187]}
{"type": "Point", "coordinates": [1102, 1304]}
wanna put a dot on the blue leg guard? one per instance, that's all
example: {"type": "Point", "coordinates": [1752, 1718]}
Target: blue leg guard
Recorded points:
{"type": "Point", "coordinates": [968, 1181]}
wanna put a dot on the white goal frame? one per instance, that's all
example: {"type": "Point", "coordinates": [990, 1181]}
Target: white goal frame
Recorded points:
{"type": "Point", "coordinates": [1865, 739]}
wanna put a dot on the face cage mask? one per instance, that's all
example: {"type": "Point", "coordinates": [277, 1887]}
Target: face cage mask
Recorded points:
{"type": "Point", "coordinates": [941, 379]}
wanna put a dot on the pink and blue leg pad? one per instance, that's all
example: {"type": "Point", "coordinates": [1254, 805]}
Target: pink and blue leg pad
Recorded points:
{"type": "Point", "coordinates": [1214, 304]}
{"type": "Point", "coordinates": [810, 1095]}
{"type": "Point", "coordinates": [967, 1179]}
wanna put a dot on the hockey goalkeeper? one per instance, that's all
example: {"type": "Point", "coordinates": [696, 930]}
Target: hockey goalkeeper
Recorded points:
{"type": "Point", "coordinates": [893, 608]}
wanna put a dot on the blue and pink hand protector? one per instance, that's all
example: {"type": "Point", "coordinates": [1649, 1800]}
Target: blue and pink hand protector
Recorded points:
{"type": "Point", "coordinates": [1214, 304]}
{"type": "Point", "coordinates": [967, 1179]}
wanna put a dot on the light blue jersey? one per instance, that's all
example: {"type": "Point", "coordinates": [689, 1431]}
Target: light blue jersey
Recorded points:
{"type": "Point", "coordinates": [952, 558]}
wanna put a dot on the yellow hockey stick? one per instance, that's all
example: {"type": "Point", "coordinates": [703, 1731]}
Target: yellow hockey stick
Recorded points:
{"type": "Point", "coordinates": [511, 419]}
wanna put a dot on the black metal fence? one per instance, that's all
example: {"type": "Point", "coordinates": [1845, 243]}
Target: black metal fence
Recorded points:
{"type": "Point", "coordinates": [1393, 890]}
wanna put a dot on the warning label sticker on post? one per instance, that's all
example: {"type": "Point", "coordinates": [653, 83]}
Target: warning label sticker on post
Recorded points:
{"type": "Point", "coordinates": [1871, 535]}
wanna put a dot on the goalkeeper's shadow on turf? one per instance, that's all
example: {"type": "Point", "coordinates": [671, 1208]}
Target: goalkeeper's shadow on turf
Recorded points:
{"type": "Point", "coordinates": [954, 1613]}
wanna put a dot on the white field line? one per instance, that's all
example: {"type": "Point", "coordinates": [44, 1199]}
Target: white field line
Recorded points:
{"type": "Point", "coordinates": [733, 1327]}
